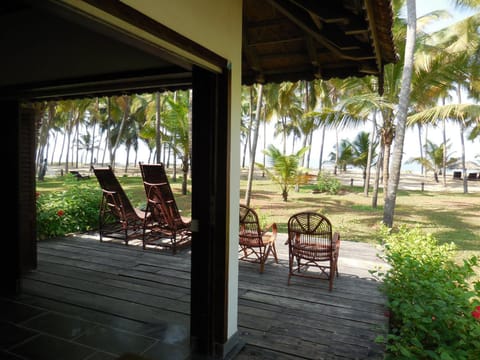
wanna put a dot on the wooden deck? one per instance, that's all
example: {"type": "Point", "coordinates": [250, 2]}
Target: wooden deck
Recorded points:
{"type": "Point", "coordinates": [108, 299]}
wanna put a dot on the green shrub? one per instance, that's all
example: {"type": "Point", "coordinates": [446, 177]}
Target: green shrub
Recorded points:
{"type": "Point", "coordinates": [73, 210]}
{"type": "Point", "coordinates": [328, 184]}
{"type": "Point", "coordinates": [432, 303]}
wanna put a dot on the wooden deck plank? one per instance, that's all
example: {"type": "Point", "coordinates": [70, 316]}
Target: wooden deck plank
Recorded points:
{"type": "Point", "coordinates": [139, 285]}
{"type": "Point", "coordinates": [125, 293]}
{"type": "Point", "coordinates": [91, 300]}
{"type": "Point", "coordinates": [149, 289]}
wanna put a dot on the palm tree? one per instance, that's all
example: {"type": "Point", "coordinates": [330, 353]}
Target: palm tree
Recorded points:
{"type": "Point", "coordinates": [177, 130]}
{"type": "Point", "coordinates": [285, 168]}
{"type": "Point", "coordinates": [122, 110]}
{"type": "Point", "coordinates": [246, 119]}
{"type": "Point", "coordinates": [362, 146]}
{"type": "Point", "coordinates": [436, 157]}
{"type": "Point", "coordinates": [402, 113]}
{"type": "Point", "coordinates": [255, 130]}
{"type": "Point", "coordinates": [343, 155]}
{"type": "Point", "coordinates": [308, 124]}
{"type": "Point", "coordinates": [283, 102]}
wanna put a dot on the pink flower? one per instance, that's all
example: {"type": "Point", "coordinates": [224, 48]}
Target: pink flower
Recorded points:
{"type": "Point", "coordinates": [60, 212]}
{"type": "Point", "coordinates": [476, 313]}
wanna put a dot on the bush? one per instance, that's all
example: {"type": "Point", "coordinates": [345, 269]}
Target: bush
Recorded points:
{"type": "Point", "coordinates": [432, 304]}
{"type": "Point", "coordinates": [73, 210]}
{"type": "Point", "coordinates": [328, 184]}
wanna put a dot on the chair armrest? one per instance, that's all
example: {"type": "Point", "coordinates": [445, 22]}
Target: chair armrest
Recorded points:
{"type": "Point", "coordinates": [272, 227]}
{"type": "Point", "coordinates": [336, 241]}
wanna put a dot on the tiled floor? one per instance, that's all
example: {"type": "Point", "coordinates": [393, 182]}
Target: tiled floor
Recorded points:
{"type": "Point", "coordinates": [31, 332]}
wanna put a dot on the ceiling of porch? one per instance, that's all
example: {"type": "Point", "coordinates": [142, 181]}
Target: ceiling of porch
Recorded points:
{"type": "Point", "coordinates": [49, 50]}
{"type": "Point", "coordinates": [288, 40]}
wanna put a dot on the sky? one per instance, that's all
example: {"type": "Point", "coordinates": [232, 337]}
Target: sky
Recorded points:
{"type": "Point", "coordinates": [411, 145]}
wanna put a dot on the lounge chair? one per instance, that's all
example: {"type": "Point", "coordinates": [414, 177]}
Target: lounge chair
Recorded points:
{"type": "Point", "coordinates": [166, 227]}
{"type": "Point", "coordinates": [313, 248]}
{"type": "Point", "coordinates": [118, 219]}
{"type": "Point", "coordinates": [472, 176]}
{"type": "Point", "coordinates": [457, 175]}
{"type": "Point", "coordinates": [79, 176]}
{"type": "Point", "coordinates": [256, 244]}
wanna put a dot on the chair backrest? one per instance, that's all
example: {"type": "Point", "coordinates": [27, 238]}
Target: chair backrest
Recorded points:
{"type": "Point", "coordinates": [153, 173]}
{"type": "Point", "coordinates": [250, 232]}
{"type": "Point", "coordinates": [113, 192]}
{"type": "Point", "coordinates": [310, 236]}
{"type": "Point", "coordinates": [160, 196]}
{"type": "Point", "coordinates": [156, 174]}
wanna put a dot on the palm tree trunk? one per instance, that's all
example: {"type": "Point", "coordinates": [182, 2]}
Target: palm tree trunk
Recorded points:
{"type": "Point", "coordinates": [309, 152]}
{"type": "Point", "coordinates": [376, 184]}
{"type": "Point", "coordinates": [158, 140]}
{"type": "Point", "coordinates": [369, 156]}
{"type": "Point", "coordinates": [125, 116]}
{"type": "Point", "coordinates": [255, 127]}
{"type": "Point", "coordinates": [249, 132]}
{"type": "Point", "coordinates": [404, 99]}
{"type": "Point", "coordinates": [320, 158]}
{"type": "Point", "coordinates": [421, 146]}
{"type": "Point", "coordinates": [264, 143]}
{"type": "Point", "coordinates": [462, 141]}
{"type": "Point", "coordinates": [387, 141]}
{"type": "Point", "coordinates": [55, 139]}
{"type": "Point", "coordinates": [284, 135]}
{"type": "Point", "coordinates": [444, 159]}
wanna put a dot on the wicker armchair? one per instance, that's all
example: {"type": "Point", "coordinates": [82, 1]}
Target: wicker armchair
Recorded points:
{"type": "Point", "coordinates": [256, 243]}
{"type": "Point", "coordinates": [313, 248]}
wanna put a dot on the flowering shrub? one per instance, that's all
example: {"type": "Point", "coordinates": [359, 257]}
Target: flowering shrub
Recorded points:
{"type": "Point", "coordinates": [476, 313]}
{"type": "Point", "coordinates": [430, 299]}
{"type": "Point", "coordinates": [73, 210]}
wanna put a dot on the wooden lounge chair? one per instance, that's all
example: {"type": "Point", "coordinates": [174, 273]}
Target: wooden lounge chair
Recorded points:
{"type": "Point", "coordinates": [472, 176]}
{"type": "Point", "coordinates": [166, 227]}
{"type": "Point", "coordinates": [118, 218]}
{"type": "Point", "coordinates": [256, 243]}
{"type": "Point", "coordinates": [79, 176]}
{"type": "Point", "coordinates": [313, 248]}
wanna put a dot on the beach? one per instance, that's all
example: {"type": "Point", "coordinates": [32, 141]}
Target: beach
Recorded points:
{"type": "Point", "coordinates": [411, 181]}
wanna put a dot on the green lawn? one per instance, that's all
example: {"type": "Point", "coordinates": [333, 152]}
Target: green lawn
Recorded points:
{"type": "Point", "coordinates": [451, 217]}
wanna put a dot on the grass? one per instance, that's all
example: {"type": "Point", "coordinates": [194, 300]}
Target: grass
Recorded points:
{"type": "Point", "coordinates": [451, 217]}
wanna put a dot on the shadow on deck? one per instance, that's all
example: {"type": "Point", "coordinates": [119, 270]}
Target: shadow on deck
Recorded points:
{"type": "Point", "coordinates": [92, 300]}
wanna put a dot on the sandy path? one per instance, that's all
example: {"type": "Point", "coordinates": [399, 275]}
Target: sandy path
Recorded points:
{"type": "Point", "coordinates": [414, 182]}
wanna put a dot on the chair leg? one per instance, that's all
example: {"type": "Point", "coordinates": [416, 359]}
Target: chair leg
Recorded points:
{"type": "Point", "coordinates": [263, 257]}
{"type": "Point", "coordinates": [274, 251]}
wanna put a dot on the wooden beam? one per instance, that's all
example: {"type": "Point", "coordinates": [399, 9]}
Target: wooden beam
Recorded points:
{"type": "Point", "coordinates": [303, 21]}
{"type": "Point", "coordinates": [373, 30]}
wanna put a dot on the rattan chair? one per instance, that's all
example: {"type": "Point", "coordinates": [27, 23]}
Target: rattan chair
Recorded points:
{"type": "Point", "coordinates": [118, 219]}
{"type": "Point", "coordinates": [255, 243]}
{"type": "Point", "coordinates": [166, 227]}
{"type": "Point", "coordinates": [313, 248]}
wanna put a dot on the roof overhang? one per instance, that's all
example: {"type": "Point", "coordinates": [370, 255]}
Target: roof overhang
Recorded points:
{"type": "Point", "coordinates": [58, 48]}
{"type": "Point", "coordinates": [290, 40]}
